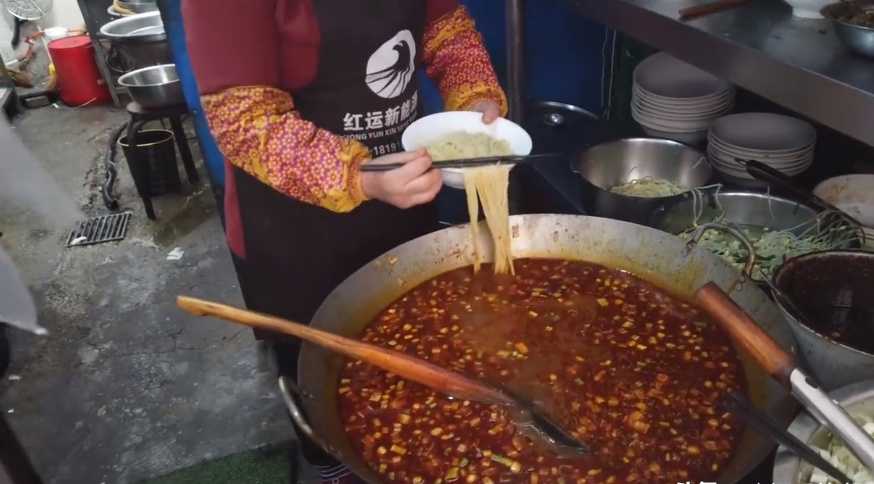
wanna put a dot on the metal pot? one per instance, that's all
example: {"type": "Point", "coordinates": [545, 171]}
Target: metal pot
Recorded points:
{"type": "Point", "coordinates": [857, 398]}
{"type": "Point", "coordinates": [840, 271]}
{"type": "Point", "coordinates": [858, 38]}
{"type": "Point", "coordinates": [139, 39]}
{"type": "Point", "coordinates": [738, 207]}
{"type": "Point", "coordinates": [649, 253]}
{"type": "Point", "coordinates": [154, 87]}
{"type": "Point", "coordinates": [139, 6]}
{"type": "Point", "coordinates": [604, 166]}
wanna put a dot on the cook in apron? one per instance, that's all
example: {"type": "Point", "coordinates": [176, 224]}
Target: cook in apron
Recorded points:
{"type": "Point", "coordinates": [365, 88]}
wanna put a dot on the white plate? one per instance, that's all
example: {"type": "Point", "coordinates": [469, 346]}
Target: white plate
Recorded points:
{"type": "Point", "coordinates": [764, 132]}
{"type": "Point", "coordinates": [728, 165]}
{"type": "Point", "coordinates": [692, 139]}
{"type": "Point", "coordinates": [678, 103]}
{"type": "Point", "coordinates": [671, 125]}
{"type": "Point", "coordinates": [430, 128]}
{"type": "Point", "coordinates": [761, 156]}
{"type": "Point", "coordinates": [665, 76]}
{"type": "Point", "coordinates": [683, 108]}
{"type": "Point", "coordinates": [802, 161]}
{"type": "Point", "coordinates": [657, 113]}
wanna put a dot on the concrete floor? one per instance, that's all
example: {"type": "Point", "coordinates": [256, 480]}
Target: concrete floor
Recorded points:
{"type": "Point", "coordinates": [126, 386]}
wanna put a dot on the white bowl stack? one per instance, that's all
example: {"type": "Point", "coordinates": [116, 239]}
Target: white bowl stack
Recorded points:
{"type": "Point", "coordinates": [781, 142]}
{"type": "Point", "coordinates": [672, 99]}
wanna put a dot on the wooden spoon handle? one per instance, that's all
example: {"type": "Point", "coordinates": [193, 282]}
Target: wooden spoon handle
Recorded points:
{"type": "Point", "coordinates": [696, 11]}
{"type": "Point", "coordinates": [745, 332]}
{"type": "Point", "coordinates": [401, 364]}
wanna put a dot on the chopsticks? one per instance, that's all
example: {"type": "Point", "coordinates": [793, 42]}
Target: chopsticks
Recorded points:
{"type": "Point", "coordinates": [768, 427]}
{"type": "Point", "coordinates": [467, 162]}
{"type": "Point", "coordinates": [696, 11]}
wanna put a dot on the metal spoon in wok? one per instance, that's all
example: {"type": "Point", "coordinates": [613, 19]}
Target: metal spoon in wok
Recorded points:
{"type": "Point", "coordinates": [530, 418]}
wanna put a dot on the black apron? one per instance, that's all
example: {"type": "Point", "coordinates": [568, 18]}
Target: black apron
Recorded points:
{"type": "Point", "coordinates": [296, 253]}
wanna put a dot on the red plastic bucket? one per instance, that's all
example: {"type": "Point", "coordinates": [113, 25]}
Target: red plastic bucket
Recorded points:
{"type": "Point", "coordinates": [79, 81]}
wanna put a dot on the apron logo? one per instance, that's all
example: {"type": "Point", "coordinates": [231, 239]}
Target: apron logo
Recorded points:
{"type": "Point", "coordinates": [391, 67]}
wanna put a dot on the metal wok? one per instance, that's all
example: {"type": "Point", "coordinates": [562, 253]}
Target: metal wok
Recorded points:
{"type": "Point", "coordinates": [654, 255]}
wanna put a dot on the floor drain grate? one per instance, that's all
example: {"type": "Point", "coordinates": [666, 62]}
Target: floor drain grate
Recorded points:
{"type": "Point", "coordinates": [97, 230]}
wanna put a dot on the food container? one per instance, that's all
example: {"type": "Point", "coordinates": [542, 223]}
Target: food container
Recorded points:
{"type": "Point", "coordinates": [428, 129]}
{"type": "Point", "coordinates": [853, 194]}
{"type": "Point", "coordinates": [831, 287]}
{"type": "Point", "coordinates": [857, 399]}
{"type": "Point", "coordinates": [154, 87]}
{"type": "Point", "coordinates": [858, 38]}
{"type": "Point", "coordinates": [609, 164]}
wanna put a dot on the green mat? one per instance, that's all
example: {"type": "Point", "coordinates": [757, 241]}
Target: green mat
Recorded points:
{"type": "Point", "coordinates": [268, 466]}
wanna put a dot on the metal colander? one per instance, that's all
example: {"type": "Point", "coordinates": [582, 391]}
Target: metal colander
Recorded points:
{"type": "Point", "coordinates": [28, 9]}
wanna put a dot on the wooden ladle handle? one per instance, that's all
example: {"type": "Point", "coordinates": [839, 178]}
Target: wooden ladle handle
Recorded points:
{"type": "Point", "coordinates": [401, 364]}
{"type": "Point", "coordinates": [745, 332]}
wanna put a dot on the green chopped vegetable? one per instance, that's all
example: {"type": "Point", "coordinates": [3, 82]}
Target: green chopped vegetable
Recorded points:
{"type": "Point", "coordinates": [839, 456]}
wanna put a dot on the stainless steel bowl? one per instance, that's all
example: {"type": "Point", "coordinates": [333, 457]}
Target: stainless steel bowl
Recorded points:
{"type": "Point", "coordinates": [139, 39]}
{"type": "Point", "coordinates": [857, 398]}
{"type": "Point", "coordinates": [139, 6]}
{"type": "Point", "coordinates": [738, 207]}
{"type": "Point", "coordinates": [606, 165]}
{"type": "Point", "coordinates": [154, 86]}
{"type": "Point", "coordinates": [858, 38]}
{"type": "Point", "coordinates": [833, 364]}
{"type": "Point", "coordinates": [143, 27]}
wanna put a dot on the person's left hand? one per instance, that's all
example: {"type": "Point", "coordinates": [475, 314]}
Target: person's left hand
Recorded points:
{"type": "Point", "coordinates": [490, 109]}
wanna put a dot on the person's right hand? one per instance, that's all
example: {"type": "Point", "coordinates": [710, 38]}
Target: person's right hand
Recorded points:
{"type": "Point", "coordinates": [413, 184]}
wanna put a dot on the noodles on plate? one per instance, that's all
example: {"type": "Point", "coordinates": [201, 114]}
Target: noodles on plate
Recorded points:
{"type": "Point", "coordinates": [488, 184]}
{"type": "Point", "coordinates": [460, 145]}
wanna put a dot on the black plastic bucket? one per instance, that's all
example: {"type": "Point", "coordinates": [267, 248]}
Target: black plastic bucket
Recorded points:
{"type": "Point", "coordinates": [153, 161]}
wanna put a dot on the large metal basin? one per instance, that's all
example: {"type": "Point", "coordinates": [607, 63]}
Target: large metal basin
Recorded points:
{"type": "Point", "coordinates": [736, 207]}
{"type": "Point", "coordinates": [650, 253]}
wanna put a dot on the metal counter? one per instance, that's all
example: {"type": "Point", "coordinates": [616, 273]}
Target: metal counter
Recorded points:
{"type": "Point", "coordinates": [797, 63]}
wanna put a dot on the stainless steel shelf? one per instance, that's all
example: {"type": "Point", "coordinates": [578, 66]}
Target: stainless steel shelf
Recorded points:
{"type": "Point", "coordinates": [797, 63]}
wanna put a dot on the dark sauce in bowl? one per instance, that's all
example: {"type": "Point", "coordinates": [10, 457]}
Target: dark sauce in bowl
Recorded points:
{"type": "Point", "coordinates": [835, 291]}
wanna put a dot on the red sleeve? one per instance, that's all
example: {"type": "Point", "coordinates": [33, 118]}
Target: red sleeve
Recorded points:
{"type": "Point", "coordinates": [457, 60]}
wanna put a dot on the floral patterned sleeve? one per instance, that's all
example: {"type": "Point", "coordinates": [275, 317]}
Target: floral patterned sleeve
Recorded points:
{"type": "Point", "coordinates": [259, 131]}
{"type": "Point", "coordinates": [458, 62]}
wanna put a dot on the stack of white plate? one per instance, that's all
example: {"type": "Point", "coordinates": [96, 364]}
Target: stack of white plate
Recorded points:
{"type": "Point", "coordinates": [672, 99]}
{"type": "Point", "coordinates": [781, 142]}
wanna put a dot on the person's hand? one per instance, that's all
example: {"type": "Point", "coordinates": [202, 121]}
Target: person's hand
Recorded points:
{"type": "Point", "coordinates": [490, 109]}
{"type": "Point", "coordinates": [413, 184]}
